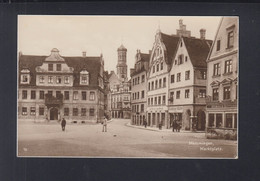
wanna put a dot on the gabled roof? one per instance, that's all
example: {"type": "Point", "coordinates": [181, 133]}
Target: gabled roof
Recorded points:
{"type": "Point", "coordinates": [170, 42]}
{"type": "Point", "coordinates": [227, 81]}
{"type": "Point", "coordinates": [91, 64]}
{"type": "Point", "coordinates": [198, 50]}
{"type": "Point", "coordinates": [145, 57]}
{"type": "Point", "coordinates": [215, 83]}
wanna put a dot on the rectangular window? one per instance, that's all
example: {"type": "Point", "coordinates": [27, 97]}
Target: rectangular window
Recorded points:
{"type": "Point", "coordinates": [172, 78]}
{"type": "Point", "coordinates": [178, 77]}
{"type": "Point", "coordinates": [216, 68]}
{"type": "Point", "coordinates": [149, 86]}
{"type": "Point", "coordinates": [58, 94]}
{"type": "Point", "coordinates": [163, 99]}
{"type": "Point", "coordinates": [83, 111]}
{"type": "Point", "coordinates": [58, 67]}
{"type": "Point", "coordinates": [228, 120]}
{"type": "Point", "coordinates": [187, 93]}
{"type": "Point", "coordinates": [50, 93]}
{"type": "Point", "coordinates": [33, 94]}
{"type": "Point", "coordinates": [159, 100]}
{"type": "Point", "coordinates": [171, 97]}
{"type": "Point", "coordinates": [142, 107]}
{"type": "Point", "coordinates": [202, 93]}
{"type": "Point", "coordinates": [24, 94]}
{"type": "Point", "coordinates": [151, 101]}
{"type": "Point", "coordinates": [41, 79]}
{"type": "Point", "coordinates": [66, 80]}
{"type": "Point", "coordinates": [187, 75]}
{"type": "Point", "coordinates": [156, 84]}
{"type": "Point", "coordinates": [84, 95]}
{"type": "Point", "coordinates": [41, 111]}
{"type": "Point", "coordinates": [160, 83]}
{"type": "Point", "coordinates": [215, 94]}
{"type": "Point", "coordinates": [164, 82]}
{"type": "Point", "coordinates": [218, 120]}
{"type": "Point", "coordinates": [178, 94]}
{"type": "Point", "coordinates": [142, 94]}
{"type": "Point", "coordinates": [91, 112]}
{"type": "Point", "coordinates": [157, 67]}
{"type": "Point", "coordinates": [24, 110]}
{"type": "Point", "coordinates": [50, 79]}
{"type": "Point", "coordinates": [202, 74]}
{"type": "Point", "coordinates": [230, 40]}
{"type": "Point", "coordinates": [180, 58]}
{"type": "Point", "coordinates": [58, 80]}
{"type": "Point", "coordinates": [66, 111]}
{"type": "Point", "coordinates": [155, 100]}
{"type": "Point", "coordinates": [66, 95]}
{"type": "Point", "coordinates": [211, 120]}
{"type": "Point", "coordinates": [218, 45]}
{"type": "Point", "coordinates": [143, 78]}
{"type": "Point", "coordinates": [92, 96]}
{"type": "Point", "coordinates": [226, 93]}
{"type": "Point", "coordinates": [33, 110]}
{"type": "Point", "coordinates": [137, 95]}
{"type": "Point", "coordinates": [153, 69]}
{"type": "Point", "coordinates": [75, 112]}
{"type": "Point", "coordinates": [84, 78]}
{"type": "Point", "coordinates": [228, 66]}
{"type": "Point", "coordinates": [25, 78]}
{"type": "Point", "coordinates": [75, 95]}
{"type": "Point", "coordinates": [138, 80]}
{"type": "Point", "coordinates": [148, 101]}
{"type": "Point", "coordinates": [152, 85]}
{"type": "Point", "coordinates": [50, 67]}
{"type": "Point", "coordinates": [41, 94]}
{"type": "Point", "coordinates": [162, 66]}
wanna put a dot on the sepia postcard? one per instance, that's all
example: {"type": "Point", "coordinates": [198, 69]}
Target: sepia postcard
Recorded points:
{"type": "Point", "coordinates": [127, 86]}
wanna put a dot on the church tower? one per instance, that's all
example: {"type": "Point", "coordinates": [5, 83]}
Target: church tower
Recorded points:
{"type": "Point", "coordinates": [121, 64]}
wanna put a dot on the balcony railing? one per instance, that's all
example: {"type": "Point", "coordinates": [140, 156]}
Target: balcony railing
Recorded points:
{"type": "Point", "coordinates": [51, 100]}
{"type": "Point", "coordinates": [222, 104]}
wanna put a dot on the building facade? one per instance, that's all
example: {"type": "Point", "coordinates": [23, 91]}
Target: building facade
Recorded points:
{"type": "Point", "coordinates": [138, 90]}
{"type": "Point", "coordinates": [222, 77]}
{"type": "Point", "coordinates": [187, 81]}
{"type": "Point", "coordinates": [54, 87]}
{"type": "Point", "coordinates": [120, 87]}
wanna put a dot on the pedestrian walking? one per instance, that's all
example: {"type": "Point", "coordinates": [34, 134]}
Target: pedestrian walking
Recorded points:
{"type": "Point", "coordinates": [173, 125]}
{"type": "Point", "coordinates": [63, 124]}
{"type": "Point", "coordinates": [104, 124]}
{"type": "Point", "coordinates": [145, 123]}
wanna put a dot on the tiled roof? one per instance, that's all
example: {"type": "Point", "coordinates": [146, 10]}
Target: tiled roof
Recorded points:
{"type": "Point", "coordinates": [145, 57]}
{"type": "Point", "coordinates": [198, 50]}
{"type": "Point", "coordinates": [122, 47]}
{"type": "Point", "coordinates": [170, 42]}
{"type": "Point", "coordinates": [91, 64]}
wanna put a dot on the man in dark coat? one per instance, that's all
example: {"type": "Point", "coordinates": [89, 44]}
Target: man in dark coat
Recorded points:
{"type": "Point", "coordinates": [173, 125]}
{"type": "Point", "coordinates": [63, 124]}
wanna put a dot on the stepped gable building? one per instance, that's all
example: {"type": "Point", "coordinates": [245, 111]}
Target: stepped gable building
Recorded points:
{"type": "Point", "coordinates": [222, 77]}
{"type": "Point", "coordinates": [120, 87]}
{"type": "Point", "coordinates": [53, 87]}
{"type": "Point", "coordinates": [138, 90]}
{"type": "Point", "coordinates": [157, 79]}
{"type": "Point", "coordinates": [187, 80]}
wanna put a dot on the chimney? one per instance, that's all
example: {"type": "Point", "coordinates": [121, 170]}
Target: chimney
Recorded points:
{"type": "Point", "coordinates": [84, 53]}
{"type": "Point", "coordinates": [202, 34]}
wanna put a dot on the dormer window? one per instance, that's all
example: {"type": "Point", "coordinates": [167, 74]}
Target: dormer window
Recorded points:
{"type": "Point", "coordinates": [84, 77]}
{"type": "Point", "coordinates": [25, 76]}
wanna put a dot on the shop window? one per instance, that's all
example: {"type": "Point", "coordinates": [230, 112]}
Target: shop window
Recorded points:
{"type": "Point", "coordinates": [66, 95]}
{"type": "Point", "coordinates": [41, 94]}
{"type": "Point", "coordinates": [41, 111]}
{"type": "Point", "coordinates": [211, 120]}
{"type": "Point", "coordinates": [92, 96]}
{"type": "Point", "coordinates": [33, 94]}
{"type": "Point", "coordinates": [83, 111]}
{"type": "Point", "coordinates": [75, 112]}
{"type": "Point", "coordinates": [33, 110]}
{"type": "Point", "coordinates": [215, 94]}
{"type": "Point", "coordinates": [226, 93]}
{"type": "Point", "coordinates": [92, 112]}
{"type": "Point", "coordinates": [24, 94]}
{"type": "Point", "coordinates": [84, 95]}
{"type": "Point", "coordinates": [75, 95]}
{"type": "Point", "coordinates": [219, 120]}
{"type": "Point", "coordinates": [24, 111]}
{"type": "Point", "coordinates": [228, 121]}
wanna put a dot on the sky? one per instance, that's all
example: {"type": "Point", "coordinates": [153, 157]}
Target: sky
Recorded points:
{"type": "Point", "coordinates": [71, 35]}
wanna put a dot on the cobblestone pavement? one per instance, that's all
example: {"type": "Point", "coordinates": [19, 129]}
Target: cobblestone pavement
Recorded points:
{"type": "Point", "coordinates": [121, 140]}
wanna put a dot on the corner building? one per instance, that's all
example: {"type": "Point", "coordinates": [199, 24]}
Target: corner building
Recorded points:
{"type": "Point", "coordinates": [222, 85]}
{"type": "Point", "coordinates": [53, 87]}
{"type": "Point", "coordinates": [138, 88]}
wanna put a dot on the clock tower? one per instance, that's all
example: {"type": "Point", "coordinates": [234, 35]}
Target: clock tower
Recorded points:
{"type": "Point", "coordinates": [121, 64]}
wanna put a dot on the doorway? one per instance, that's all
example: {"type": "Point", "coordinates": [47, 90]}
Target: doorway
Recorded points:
{"type": "Point", "coordinates": [201, 120]}
{"type": "Point", "coordinates": [54, 113]}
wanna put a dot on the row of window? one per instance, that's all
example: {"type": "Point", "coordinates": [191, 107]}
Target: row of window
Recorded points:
{"type": "Point", "coordinates": [216, 120]}
{"type": "Point", "coordinates": [135, 95]}
{"type": "Point", "coordinates": [158, 67]}
{"type": "Point", "coordinates": [66, 95]}
{"type": "Point", "coordinates": [202, 94]}
{"type": "Point", "coordinates": [227, 70]}
{"type": "Point", "coordinates": [136, 80]}
{"type": "Point", "coordinates": [157, 84]}
{"type": "Point", "coordinates": [119, 98]}
{"type": "Point", "coordinates": [230, 41]}
{"type": "Point", "coordinates": [135, 108]}
{"type": "Point", "coordinates": [153, 100]}
{"type": "Point", "coordinates": [50, 67]}
{"type": "Point", "coordinates": [75, 111]}
{"type": "Point", "coordinates": [226, 93]}
{"type": "Point", "coordinates": [180, 60]}
{"type": "Point", "coordinates": [51, 79]}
